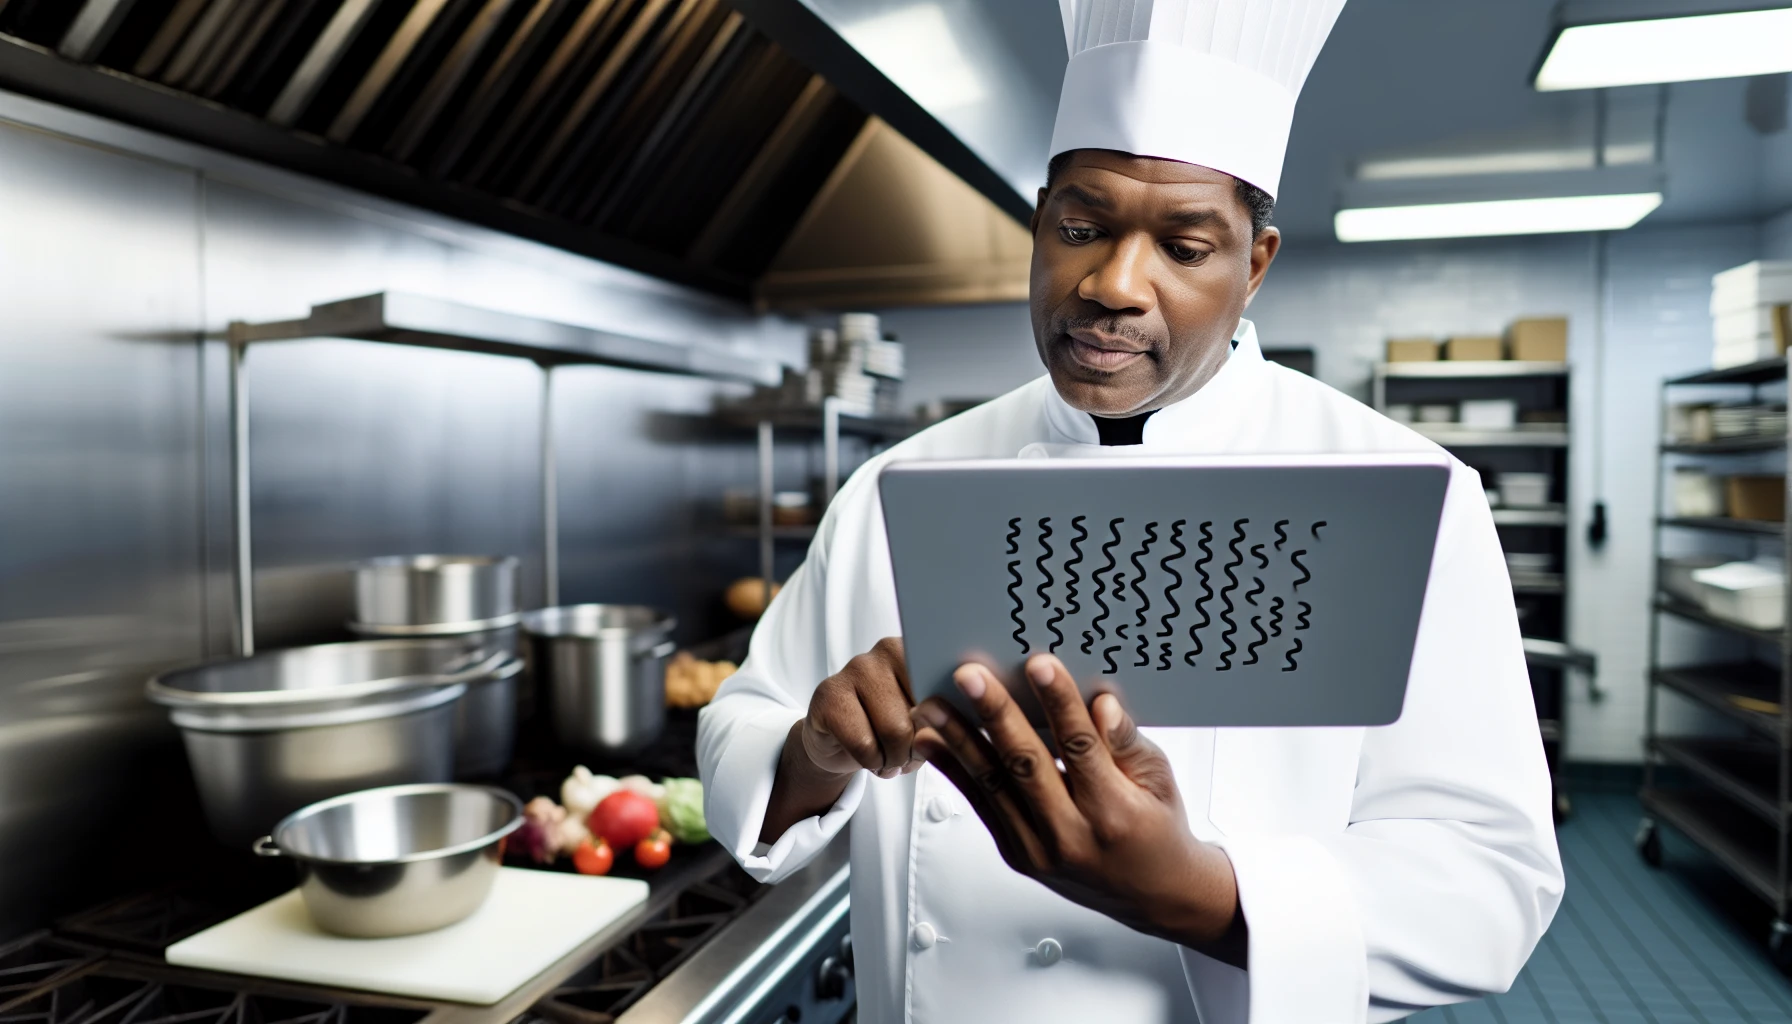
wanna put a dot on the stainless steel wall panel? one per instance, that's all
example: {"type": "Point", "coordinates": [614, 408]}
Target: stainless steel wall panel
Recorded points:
{"type": "Point", "coordinates": [99, 489]}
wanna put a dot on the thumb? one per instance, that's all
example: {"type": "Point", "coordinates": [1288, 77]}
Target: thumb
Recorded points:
{"type": "Point", "coordinates": [1142, 760]}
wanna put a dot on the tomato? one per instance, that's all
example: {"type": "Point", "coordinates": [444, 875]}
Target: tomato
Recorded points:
{"type": "Point", "coordinates": [653, 852]}
{"type": "Point", "coordinates": [593, 858]}
{"type": "Point", "coordinates": [625, 818]}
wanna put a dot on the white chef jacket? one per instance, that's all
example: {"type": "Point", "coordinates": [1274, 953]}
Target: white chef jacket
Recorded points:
{"type": "Point", "coordinates": [1380, 870]}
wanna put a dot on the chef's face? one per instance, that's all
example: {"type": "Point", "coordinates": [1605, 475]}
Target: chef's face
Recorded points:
{"type": "Point", "coordinates": [1141, 269]}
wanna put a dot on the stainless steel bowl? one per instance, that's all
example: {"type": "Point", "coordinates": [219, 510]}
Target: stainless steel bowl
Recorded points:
{"type": "Point", "coordinates": [397, 860]}
{"type": "Point", "coordinates": [431, 595]}
{"type": "Point", "coordinates": [604, 668]}
{"type": "Point", "coordinates": [269, 734]}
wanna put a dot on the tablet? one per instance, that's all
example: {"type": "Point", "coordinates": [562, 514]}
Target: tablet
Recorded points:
{"type": "Point", "coordinates": [1206, 591]}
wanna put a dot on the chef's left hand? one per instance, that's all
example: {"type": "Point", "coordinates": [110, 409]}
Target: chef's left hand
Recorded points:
{"type": "Point", "coordinates": [1108, 830]}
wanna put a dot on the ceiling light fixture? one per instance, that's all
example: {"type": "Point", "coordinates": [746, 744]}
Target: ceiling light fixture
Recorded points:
{"type": "Point", "coordinates": [1686, 48]}
{"type": "Point", "coordinates": [1494, 217]}
{"type": "Point", "coordinates": [1535, 203]}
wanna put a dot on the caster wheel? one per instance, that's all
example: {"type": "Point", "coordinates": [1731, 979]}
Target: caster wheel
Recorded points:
{"type": "Point", "coordinates": [1648, 843]}
{"type": "Point", "coordinates": [1564, 808]}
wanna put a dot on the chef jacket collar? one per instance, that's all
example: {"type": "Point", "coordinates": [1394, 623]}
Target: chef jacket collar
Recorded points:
{"type": "Point", "coordinates": [1203, 422]}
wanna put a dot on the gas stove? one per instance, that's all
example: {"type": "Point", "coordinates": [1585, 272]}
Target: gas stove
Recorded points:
{"type": "Point", "coordinates": [711, 946]}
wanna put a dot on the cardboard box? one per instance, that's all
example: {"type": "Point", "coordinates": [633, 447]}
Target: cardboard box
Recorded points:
{"type": "Point", "coordinates": [1760, 497]}
{"type": "Point", "coordinates": [1541, 339]}
{"type": "Point", "coordinates": [1475, 347]}
{"type": "Point", "coordinates": [1412, 350]}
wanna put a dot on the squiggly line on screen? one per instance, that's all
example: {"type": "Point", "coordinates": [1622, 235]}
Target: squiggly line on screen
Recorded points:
{"type": "Point", "coordinates": [1045, 542]}
{"type": "Point", "coordinates": [1292, 651]}
{"type": "Point", "coordinates": [1275, 616]}
{"type": "Point", "coordinates": [1250, 650]}
{"type": "Point", "coordinates": [1194, 631]}
{"type": "Point", "coordinates": [1014, 536]}
{"type": "Point", "coordinates": [1020, 626]}
{"type": "Point", "coordinates": [1138, 577]}
{"type": "Point", "coordinates": [1163, 649]}
{"type": "Point", "coordinates": [1226, 596]}
{"type": "Point", "coordinates": [1281, 534]}
{"type": "Point", "coordinates": [1305, 575]}
{"type": "Point", "coordinates": [1076, 558]}
{"type": "Point", "coordinates": [1107, 551]}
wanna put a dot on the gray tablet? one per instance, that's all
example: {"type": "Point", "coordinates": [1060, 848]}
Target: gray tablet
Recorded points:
{"type": "Point", "coordinates": [1207, 591]}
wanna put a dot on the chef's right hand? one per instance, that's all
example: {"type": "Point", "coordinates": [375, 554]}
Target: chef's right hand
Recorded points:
{"type": "Point", "coordinates": [860, 717]}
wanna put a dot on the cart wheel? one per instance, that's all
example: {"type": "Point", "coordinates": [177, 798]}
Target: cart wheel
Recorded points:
{"type": "Point", "coordinates": [1648, 843]}
{"type": "Point", "coordinates": [1564, 807]}
{"type": "Point", "coordinates": [1779, 947]}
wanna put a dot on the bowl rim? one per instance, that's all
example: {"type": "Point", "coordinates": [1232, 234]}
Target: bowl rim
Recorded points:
{"type": "Point", "coordinates": [502, 795]}
{"type": "Point", "coordinates": [161, 691]}
{"type": "Point", "coordinates": [533, 625]}
{"type": "Point", "coordinates": [433, 562]}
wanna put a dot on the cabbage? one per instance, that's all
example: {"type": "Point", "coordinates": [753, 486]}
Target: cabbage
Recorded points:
{"type": "Point", "coordinates": [681, 810]}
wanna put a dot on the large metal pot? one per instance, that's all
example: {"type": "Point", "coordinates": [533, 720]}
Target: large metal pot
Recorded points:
{"type": "Point", "coordinates": [433, 595]}
{"type": "Point", "coordinates": [604, 667]}
{"type": "Point", "coordinates": [470, 599]}
{"type": "Point", "coordinates": [397, 860]}
{"type": "Point", "coordinates": [269, 734]}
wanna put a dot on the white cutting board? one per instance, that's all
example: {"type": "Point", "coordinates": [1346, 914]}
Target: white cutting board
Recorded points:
{"type": "Point", "coordinates": [531, 920]}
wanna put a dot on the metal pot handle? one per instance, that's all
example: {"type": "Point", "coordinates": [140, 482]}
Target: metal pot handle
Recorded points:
{"type": "Point", "coordinates": [663, 650]}
{"type": "Point", "coordinates": [474, 673]}
{"type": "Point", "coordinates": [264, 847]}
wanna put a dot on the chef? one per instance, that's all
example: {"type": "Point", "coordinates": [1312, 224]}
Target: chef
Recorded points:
{"type": "Point", "coordinates": [1130, 874]}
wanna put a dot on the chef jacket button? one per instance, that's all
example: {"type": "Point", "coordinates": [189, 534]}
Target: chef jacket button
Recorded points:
{"type": "Point", "coordinates": [938, 809]}
{"type": "Point", "coordinates": [923, 935]}
{"type": "Point", "coordinates": [1049, 952]}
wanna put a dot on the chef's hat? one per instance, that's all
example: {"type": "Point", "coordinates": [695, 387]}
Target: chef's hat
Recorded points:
{"type": "Point", "coordinates": [1209, 82]}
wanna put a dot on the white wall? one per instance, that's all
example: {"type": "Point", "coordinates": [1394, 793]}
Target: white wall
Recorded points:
{"type": "Point", "coordinates": [1344, 301]}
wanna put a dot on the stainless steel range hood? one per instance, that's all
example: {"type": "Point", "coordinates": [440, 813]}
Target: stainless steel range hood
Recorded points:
{"type": "Point", "coordinates": [677, 137]}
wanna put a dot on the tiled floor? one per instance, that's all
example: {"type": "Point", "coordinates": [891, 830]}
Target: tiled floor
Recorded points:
{"type": "Point", "coordinates": [1682, 944]}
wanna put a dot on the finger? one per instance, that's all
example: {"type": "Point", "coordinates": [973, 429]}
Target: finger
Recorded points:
{"type": "Point", "coordinates": [839, 716]}
{"type": "Point", "coordinates": [1140, 759]}
{"type": "Point", "coordinates": [890, 651]}
{"type": "Point", "coordinates": [1019, 750]}
{"type": "Point", "coordinates": [954, 746]}
{"type": "Point", "coordinates": [1088, 765]}
{"type": "Point", "coordinates": [888, 713]}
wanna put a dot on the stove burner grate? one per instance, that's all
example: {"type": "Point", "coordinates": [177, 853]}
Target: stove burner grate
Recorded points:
{"type": "Point", "coordinates": [612, 983]}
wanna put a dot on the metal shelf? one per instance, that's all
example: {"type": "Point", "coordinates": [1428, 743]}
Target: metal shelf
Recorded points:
{"type": "Point", "coordinates": [402, 319]}
{"type": "Point", "coordinates": [1551, 515]}
{"type": "Point", "coordinates": [1718, 686]}
{"type": "Point", "coordinates": [743, 417]}
{"type": "Point", "coordinates": [1772, 527]}
{"type": "Point", "coordinates": [1740, 842]}
{"type": "Point", "coordinates": [1725, 446]}
{"type": "Point", "coordinates": [1469, 369]}
{"type": "Point", "coordinates": [805, 532]}
{"type": "Point", "coordinates": [1537, 583]}
{"type": "Point", "coordinates": [1451, 436]}
{"type": "Point", "coordinates": [1693, 613]}
{"type": "Point", "coordinates": [1741, 770]}
{"type": "Point", "coordinates": [1749, 373]}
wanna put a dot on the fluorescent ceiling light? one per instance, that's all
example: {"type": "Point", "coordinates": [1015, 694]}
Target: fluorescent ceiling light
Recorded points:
{"type": "Point", "coordinates": [1494, 217]}
{"type": "Point", "coordinates": [917, 49]}
{"type": "Point", "coordinates": [1733, 45]}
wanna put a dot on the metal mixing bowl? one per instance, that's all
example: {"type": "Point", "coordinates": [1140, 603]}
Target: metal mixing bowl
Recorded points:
{"type": "Point", "coordinates": [269, 734]}
{"type": "Point", "coordinates": [397, 860]}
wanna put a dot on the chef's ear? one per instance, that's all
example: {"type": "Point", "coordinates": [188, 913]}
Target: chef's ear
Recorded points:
{"type": "Point", "coordinates": [1263, 252]}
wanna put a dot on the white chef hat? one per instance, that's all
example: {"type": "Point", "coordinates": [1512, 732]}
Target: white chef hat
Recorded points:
{"type": "Point", "coordinates": [1209, 82]}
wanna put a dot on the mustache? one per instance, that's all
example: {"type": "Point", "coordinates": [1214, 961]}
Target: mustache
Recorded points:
{"type": "Point", "coordinates": [1107, 323]}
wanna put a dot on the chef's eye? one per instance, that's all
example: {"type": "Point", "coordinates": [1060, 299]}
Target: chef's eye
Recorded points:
{"type": "Point", "coordinates": [1077, 234]}
{"type": "Point", "coordinates": [1185, 255]}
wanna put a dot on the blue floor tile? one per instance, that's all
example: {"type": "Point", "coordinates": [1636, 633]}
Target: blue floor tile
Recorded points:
{"type": "Point", "coordinates": [1637, 945]}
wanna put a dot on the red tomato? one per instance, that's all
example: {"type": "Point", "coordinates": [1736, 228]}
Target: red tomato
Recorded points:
{"type": "Point", "coordinates": [653, 852]}
{"type": "Point", "coordinates": [589, 858]}
{"type": "Point", "coordinates": [624, 818]}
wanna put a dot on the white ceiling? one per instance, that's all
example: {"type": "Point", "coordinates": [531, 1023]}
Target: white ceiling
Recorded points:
{"type": "Point", "coordinates": [1398, 79]}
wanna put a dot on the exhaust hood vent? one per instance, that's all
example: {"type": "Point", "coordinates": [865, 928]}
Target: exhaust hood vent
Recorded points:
{"type": "Point", "coordinates": [666, 135]}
